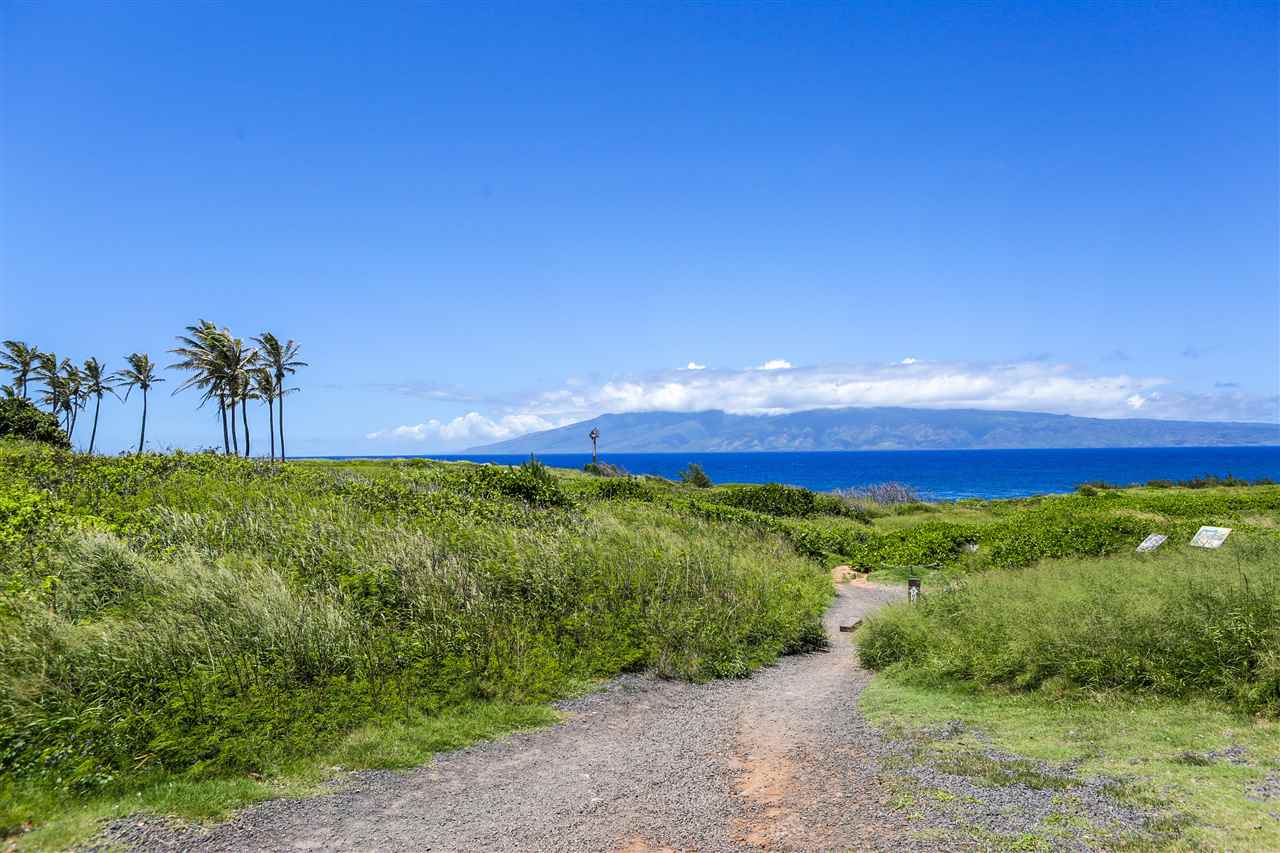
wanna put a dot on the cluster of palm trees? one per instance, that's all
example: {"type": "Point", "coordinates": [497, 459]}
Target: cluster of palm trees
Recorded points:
{"type": "Point", "coordinates": [219, 364]}
{"type": "Point", "coordinates": [225, 369]}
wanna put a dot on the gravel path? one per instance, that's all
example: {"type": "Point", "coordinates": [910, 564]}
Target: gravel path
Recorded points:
{"type": "Point", "coordinates": [780, 761]}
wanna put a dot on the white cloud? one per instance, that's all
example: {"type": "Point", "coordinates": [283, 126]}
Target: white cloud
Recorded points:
{"type": "Point", "coordinates": [693, 365]}
{"type": "Point", "coordinates": [1033, 386]}
{"type": "Point", "coordinates": [909, 360]}
{"type": "Point", "coordinates": [777, 387]}
{"type": "Point", "coordinates": [468, 429]}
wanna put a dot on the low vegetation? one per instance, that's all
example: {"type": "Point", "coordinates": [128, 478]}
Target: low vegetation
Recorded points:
{"type": "Point", "coordinates": [187, 633]}
{"type": "Point", "coordinates": [1184, 623]}
{"type": "Point", "coordinates": [1206, 774]}
{"type": "Point", "coordinates": [200, 618]}
{"type": "Point", "coordinates": [693, 475]}
{"type": "Point", "coordinates": [20, 419]}
{"type": "Point", "coordinates": [605, 469]}
{"type": "Point", "coordinates": [1157, 674]}
{"type": "Point", "coordinates": [881, 494]}
{"type": "Point", "coordinates": [883, 532]}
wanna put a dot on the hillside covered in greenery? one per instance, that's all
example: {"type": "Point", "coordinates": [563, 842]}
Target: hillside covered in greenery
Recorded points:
{"type": "Point", "coordinates": [203, 616]}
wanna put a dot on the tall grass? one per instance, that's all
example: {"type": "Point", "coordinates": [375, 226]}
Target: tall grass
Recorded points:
{"type": "Point", "coordinates": [207, 616]}
{"type": "Point", "coordinates": [1180, 623]}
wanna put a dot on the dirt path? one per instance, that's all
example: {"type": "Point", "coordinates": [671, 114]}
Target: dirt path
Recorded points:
{"type": "Point", "coordinates": [768, 763]}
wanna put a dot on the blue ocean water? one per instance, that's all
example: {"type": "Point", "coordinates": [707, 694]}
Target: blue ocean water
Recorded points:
{"type": "Point", "coordinates": [939, 474]}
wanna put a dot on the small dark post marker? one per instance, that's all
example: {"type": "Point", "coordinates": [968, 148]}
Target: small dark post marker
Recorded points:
{"type": "Point", "coordinates": [595, 435]}
{"type": "Point", "coordinates": [913, 590]}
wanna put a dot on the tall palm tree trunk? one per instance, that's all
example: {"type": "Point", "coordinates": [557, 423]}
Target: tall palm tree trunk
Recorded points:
{"type": "Point", "coordinates": [280, 379]}
{"type": "Point", "coordinates": [222, 407]}
{"type": "Point", "coordinates": [94, 435]}
{"type": "Point", "coordinates": [271, 422]}
{"type": "Point", "coordinates": [235, 432]}
{"type": "Point", "coordinates": [244, 418]}
{"type": "Point", "coordinates": [142, 436]}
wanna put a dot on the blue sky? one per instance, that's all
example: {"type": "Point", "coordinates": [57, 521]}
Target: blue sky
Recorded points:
{"type": "Point", "coordinates": [480, 220]}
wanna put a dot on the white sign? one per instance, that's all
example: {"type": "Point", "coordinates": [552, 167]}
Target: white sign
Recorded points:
{"type": "Point", "coordinates": [1210, 537]}
{"type": "Point", "coordinates": [1152, 542]}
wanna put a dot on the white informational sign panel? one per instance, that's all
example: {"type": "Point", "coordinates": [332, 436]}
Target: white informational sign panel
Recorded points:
{"type": "Point", "coordinates": [1210, 537]}
{"type": "Point", "coordinates": [1152, 542]}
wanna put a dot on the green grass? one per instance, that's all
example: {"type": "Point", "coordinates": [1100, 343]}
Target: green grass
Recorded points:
{"type": "Point", "coordinates": [1154, 670]}
{"type": "Point", "coordinates": [60, 819]}
{"type": "Point", "coordinates": [1144, 741]}
{"type": "Point", "coordinates": [1183, 622]}
{"type": "Point", "coordinates": [935, 540]}
{"type": "Point", "coordinates": [185, 634]}
{"type": "Point", "coordinates": [205, 623]}
{"type": "Point", "coordinates": [409, 741]}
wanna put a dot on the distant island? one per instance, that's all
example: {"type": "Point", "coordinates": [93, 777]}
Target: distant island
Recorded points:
{"type": "Point", "coordinates": [887, 428]}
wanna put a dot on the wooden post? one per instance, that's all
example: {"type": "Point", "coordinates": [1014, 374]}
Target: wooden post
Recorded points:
{"type": "Point", "coordinates": [595, 434]}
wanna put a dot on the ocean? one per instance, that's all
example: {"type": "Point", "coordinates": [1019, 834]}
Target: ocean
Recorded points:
{"type": "Point", "coordinates": [937, 474]}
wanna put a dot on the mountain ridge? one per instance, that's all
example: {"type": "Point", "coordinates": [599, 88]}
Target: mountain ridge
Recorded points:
{"type": "Point", "coordinates": [877, 428]}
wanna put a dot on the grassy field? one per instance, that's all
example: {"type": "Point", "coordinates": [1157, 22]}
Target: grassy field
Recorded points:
{"type": "Point", "coordinates": [943, 541]}
{"type": "Point", "coordinates": [1159, 672]}
{"type": "Point", "coordinates": [184, 634]}
{"type": "Point", "coordinates": [1208, 772]}
{"type": "Point", "coordinates": [187, 633]}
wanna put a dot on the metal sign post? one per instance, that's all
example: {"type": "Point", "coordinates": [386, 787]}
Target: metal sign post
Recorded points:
{"type": "Point", "coordinates": [595, 436]}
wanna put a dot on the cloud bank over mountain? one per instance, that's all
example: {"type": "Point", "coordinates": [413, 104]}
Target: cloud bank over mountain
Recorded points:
{"type": "Point", "coordinates": [775, 387]}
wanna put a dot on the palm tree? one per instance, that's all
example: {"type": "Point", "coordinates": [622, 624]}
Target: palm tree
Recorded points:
{"type": "Point", "coordinates": [96, 383]}
{"type": "Point", "coordinates": [52, 397]}
{"type": "Point", "coordinates": [246, 359]}
{"type": "Point", "coordinates": [233, 361]}
{"type": "Point", "coordinates": [74, 396]}
{"type": "Point", "coordinates": [61, 380]}
{"type": "Point", "coordinates": [282, 360]}
{"type": "Point", "coordinates": [140, 374]}
{"type": "Point", "coordinates": [231, 364]}
{"type": "Point", "coordinates": [203, 352]}
{"type": "Point", "coordinates": [46, 370]}
{"type": "Point", "coordinates": [245, 391]}
{"type": "Point", "coordinates": [19, 359]}
{"type": "Point", "coordinates": [264, 388]}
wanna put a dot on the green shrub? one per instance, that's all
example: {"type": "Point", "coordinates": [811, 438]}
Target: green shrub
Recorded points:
{"type": "Point", "coordinates": [19, 418]}
{"type": "Point", "coordinates": [534, 483]}
{"type": "Point", "coordinates": [693, 475]}
{"type": "Point", "coordinates": [1181, 623]}
{"type": "Point", "coordinates": [772, 499]}
{"type": "Point", "coordinates": [206, 615]}
{"type": "Point", "coordinates": [617, 488]}
{"type": "Point", "coordinates": [605, 469]}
